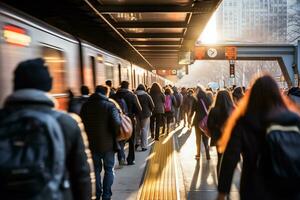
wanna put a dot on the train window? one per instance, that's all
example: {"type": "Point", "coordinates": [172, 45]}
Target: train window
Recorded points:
{"type": "Point", "coordinates": [56, 63]}
{"type": "Point", "coordinates": [109, 71]}
{"type": "Point", "coordinates": [100, 70]}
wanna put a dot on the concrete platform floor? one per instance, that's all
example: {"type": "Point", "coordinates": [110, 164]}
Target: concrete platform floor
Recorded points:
{"type": "Point", "coordinates": [199, 177]}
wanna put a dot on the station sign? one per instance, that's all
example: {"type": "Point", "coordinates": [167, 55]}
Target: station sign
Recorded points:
{"type": "Point", "coordinates": [231, 70]}
{"type": "Point", "coordinates": [215, 53]}
{"type": "Point", "coordinates": [166, 72]}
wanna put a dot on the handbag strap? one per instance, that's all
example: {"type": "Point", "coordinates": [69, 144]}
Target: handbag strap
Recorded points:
{"type": "Point", "coordinates": [203, 104]}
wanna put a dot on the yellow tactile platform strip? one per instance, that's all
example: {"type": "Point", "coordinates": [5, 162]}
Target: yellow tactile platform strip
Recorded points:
{"type": "Point", "coordinates": [160, 181]}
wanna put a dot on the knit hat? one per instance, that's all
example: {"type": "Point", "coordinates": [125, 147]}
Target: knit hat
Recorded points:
{"type": "Point", "coordinates": [32, 74]}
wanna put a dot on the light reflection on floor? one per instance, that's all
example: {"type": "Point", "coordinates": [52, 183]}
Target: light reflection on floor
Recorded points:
{"type": "Point", "coordinates": [200, 177]}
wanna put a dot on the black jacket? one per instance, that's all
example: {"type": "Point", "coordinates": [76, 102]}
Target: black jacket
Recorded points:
{"type": "Point", "coordinates": [146, 103]}
{"type": "Point", "coordinates": [133, 104]}
{"type": "Point", "coordinates": [247, 139]}
{"type": "Point", "coordinates": [78, 159]}
{"type": "Point", "coordinates": [159, 103]}
{"type": "Point", "coordinates": [102, 122]}
{"type": "Point", "coordinates": [215, 124]}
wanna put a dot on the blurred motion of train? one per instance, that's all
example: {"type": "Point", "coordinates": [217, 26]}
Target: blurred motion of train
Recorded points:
{"type": "Point", "coordinates": [71, 61]}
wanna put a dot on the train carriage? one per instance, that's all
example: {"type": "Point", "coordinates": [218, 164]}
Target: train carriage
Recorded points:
{"type": "Point", "coordinates": [72, 62]}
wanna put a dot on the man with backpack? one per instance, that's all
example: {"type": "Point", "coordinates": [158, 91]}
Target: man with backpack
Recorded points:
{"type": "Point", "coordinates": [43, 152]}
{"type": "Point", "coordinates": [102, 122]}
{"type": "Point", "coordinates": [134, 108]}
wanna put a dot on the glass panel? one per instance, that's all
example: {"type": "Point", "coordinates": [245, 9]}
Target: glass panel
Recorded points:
{"type": "Point", "coordinates": [56, 63]}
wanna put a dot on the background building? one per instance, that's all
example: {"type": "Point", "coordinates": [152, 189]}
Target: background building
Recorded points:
{"type": "Point", "coordinates": [263, 21]}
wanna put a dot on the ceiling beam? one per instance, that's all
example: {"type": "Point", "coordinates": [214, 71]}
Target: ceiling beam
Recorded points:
{"type": "Point", "coordinates": [175, 48]}
{"type": "Point", "coordinates": [153, 35]}
{"type": "Point", "coordinates": [150, 25]}
{"type": "Point", "coordinates": [109, 9]}
{"type": "Point", "coordinates": [155, 42]}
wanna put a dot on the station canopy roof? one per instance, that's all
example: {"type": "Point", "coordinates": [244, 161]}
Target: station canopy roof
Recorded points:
{"type": "Point", "coordinates": [150, 33]}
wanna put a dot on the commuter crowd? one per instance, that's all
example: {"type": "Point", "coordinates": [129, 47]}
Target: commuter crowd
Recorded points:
{"type": "Point", "coordinates": [50, 154]}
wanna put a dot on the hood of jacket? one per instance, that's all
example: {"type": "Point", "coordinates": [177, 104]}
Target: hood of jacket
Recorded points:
{"type": "Point", "coordinates": [284, 117]}
{"type": "Point", "coordinates": [140, 92]}
{"type": "Point", "coordinates": [30, 96]}
{"type": "Point", "coordinates": [98, 97]}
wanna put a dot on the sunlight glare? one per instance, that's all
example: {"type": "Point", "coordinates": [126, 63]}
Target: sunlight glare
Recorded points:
{"type": "Point", "coordinates": [209, 34]}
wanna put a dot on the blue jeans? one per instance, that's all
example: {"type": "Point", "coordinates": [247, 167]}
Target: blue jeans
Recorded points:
{"type": "Point", "coordinates": [107, 160]}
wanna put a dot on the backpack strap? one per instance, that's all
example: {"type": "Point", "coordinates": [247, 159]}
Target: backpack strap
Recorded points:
{"type": "Point", "coordinates": [204, 106]}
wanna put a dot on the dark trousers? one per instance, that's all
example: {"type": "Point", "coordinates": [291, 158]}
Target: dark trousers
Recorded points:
{"type": "Point", "coordinates": [131, 141]}
{"type": "Point", "coordinates": [121, 152]}
{"type": "Point", "coordinates": [156, 120]}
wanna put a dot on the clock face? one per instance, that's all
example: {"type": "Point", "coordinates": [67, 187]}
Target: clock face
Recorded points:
{"type": "Point", "coordinates": [212, 53]}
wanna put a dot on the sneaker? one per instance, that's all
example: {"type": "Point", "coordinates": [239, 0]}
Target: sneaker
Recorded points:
{"type": "Point", "coordinates": [131, 163]}
{"type": "Point", "coordinates": [136, 146]}
{"type": "Point", "coordinates": [144, 149]}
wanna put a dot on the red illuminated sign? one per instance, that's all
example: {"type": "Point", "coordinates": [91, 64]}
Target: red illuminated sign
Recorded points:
{"type": "Point", "coordinates": [16, 35]}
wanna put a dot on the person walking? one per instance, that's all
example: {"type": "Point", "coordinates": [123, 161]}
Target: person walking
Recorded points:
{"type": "Point", "coordinates": [200, 107]}
{"type": "Point", "coordinates": [102, 122]}
{"type": "Point", "coordinates": [143, 118]}
{"type": "Point", "coordinates": [183, 109]}
{"type": "Point", "coordinates": [170, 105]}
{"type": "Point", "coordinates": [265, 132]}
{"type": "Point", "coordinates": [112, 92]}
{"type": "Point", "coordinates": [189, 102]}
{"type": "Point", "coordinates": [55, 161]}
{"type": "Point", "coordinates": [179, 99]}
{"type": "Point", "coordinates": [134, 108]}
{"type": "Point", "coordinates": [237, 94]}
{"type": "Point", "coordinates": [156, 120]}
{"type": "Point", "coordinates": [219, 113]}
{"type": "Point", "coordinates": [76, 103]}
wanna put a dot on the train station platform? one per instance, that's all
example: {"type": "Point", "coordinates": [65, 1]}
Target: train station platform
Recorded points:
{"type": "Point", "coordinates": [168, 170]}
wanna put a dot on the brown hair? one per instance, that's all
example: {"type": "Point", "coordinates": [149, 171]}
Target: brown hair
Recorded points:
{"type": "Point", "coordinates": [259, 101]}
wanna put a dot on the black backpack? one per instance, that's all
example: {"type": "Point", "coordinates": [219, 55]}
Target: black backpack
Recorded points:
{"type": "Point", "coordinates": [280, 157]}
{"type": "Point", "coordinates": [32, 155]}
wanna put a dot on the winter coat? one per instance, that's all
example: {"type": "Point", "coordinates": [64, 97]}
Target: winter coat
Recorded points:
{"type": "Point", "coordinates": [132, 102]}
{"type": "Point", "coordinates": [159, 103]}
{"type": "Point", "coordinates": [78, 158]}
{"type": "Point", "coordinates": [184, 106]}
{"type": "Point", "coordinates": [247, 139]}
{"type": "Point", "coordinates": [198, 108]}
{"type": "Point", "coordinates": [215, 124]}
{"type": "Point", "coordinates": [102, 122]}
{"type": "Point", "coordinates": [146, 103]}
{"type": "Point", "coordinates": [179, 99]}
{"type": "Point", "coordinates": [76, 103]}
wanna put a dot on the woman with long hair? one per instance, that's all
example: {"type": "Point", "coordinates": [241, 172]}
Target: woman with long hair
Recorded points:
{"type": "Point", "coordinates": [245, 134]}
{"type": "Point", "coordinates": [170, 104]}
{"type": "Point", "coordinates": [156, 120]}
{"type": "Point", "coordinates": [237, 94]}
{"type": "Point", "coordinates": [200, 107]}
{"type": "Point", "coordinates": [217, 117]}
